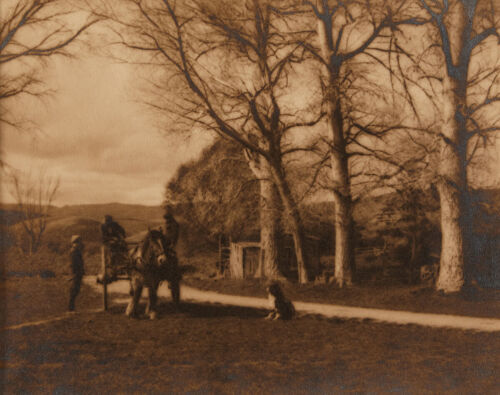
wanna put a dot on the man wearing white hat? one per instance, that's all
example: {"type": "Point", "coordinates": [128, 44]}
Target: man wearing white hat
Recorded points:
{"type": "Point", "coordinates": [77, 269]}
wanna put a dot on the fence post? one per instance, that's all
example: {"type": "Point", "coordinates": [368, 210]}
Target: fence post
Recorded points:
{"type": "Point", "coordinates": [104, 279]}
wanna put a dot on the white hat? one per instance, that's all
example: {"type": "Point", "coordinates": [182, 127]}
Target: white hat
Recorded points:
{"type": "Point", "coordinates": [75, 238]}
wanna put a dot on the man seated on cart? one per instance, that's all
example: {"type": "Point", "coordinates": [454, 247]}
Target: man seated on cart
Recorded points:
{"type": "Point", "coordinates": [115, 248]}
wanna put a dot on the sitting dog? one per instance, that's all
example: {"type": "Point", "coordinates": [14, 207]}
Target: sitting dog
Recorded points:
{"type": "Point", "coordinates": [282, 308]}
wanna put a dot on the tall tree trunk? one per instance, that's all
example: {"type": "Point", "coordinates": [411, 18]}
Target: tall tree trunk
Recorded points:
{"type": "Point", "coordinates": [270, 229]}
{"type": "Point", "coordinates": [296, 224]}
{"type": "Point", "coordinates": [344, 249]}
{"type": "Point", "coordinates": [452, 191]}
{"type": "Point", "coordinates": [453, 188]}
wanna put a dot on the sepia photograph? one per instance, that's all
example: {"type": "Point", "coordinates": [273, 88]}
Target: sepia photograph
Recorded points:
{"type": "Point", "coordinates": [250, 197]}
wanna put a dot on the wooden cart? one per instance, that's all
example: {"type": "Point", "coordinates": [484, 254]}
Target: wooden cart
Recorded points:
{"type": "Point", "coordinates": [120, 276]}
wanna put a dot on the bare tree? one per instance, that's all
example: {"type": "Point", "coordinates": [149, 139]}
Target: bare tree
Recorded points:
{"type": "Point", "coordinates": [270, 209]}
{"type": "Point", "coordinates": [34, 195]}
{"type": "Point", "coordinates": [467, 38]}
{"type": "Point", "coordinates": [347, 30]}
{"type": "Point", "coordinates": [31, 31]}
{"type": "Point", "coordinates": [234, 62]}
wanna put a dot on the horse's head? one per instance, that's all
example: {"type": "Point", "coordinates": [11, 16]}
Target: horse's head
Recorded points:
{"type": "Point", "coordinates": [154, 247]}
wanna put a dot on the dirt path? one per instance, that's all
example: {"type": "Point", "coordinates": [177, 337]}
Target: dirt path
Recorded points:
{"type": "Point", "coordinates": [48, 320]}
{"type": "Point", "coordinates": [326, 310]}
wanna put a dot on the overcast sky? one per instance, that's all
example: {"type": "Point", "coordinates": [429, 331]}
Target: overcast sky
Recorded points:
{"type": "Point", "coordinates": [104, 146]}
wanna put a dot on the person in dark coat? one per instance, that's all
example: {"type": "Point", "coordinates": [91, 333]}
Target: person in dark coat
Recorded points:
{"type": "Point", "coordinates": [77, 269]}
{"type": "Point", "coordinates": [171, 228]}
{"type": "Point", "coordinates": [111, 230]}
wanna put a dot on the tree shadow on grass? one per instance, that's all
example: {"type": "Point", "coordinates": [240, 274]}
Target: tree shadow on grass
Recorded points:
{"type": "Point", "coordinates": [195, 310]}
{"type": "Point", "coordinates": [206, 310]}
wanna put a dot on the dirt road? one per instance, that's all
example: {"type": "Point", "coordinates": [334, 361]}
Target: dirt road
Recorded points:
{"type": "Point", "coordinates": [326, 310]}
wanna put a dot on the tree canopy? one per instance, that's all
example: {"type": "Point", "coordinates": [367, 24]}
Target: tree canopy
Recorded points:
{"type": "Point", "coordinates": [217, 194]}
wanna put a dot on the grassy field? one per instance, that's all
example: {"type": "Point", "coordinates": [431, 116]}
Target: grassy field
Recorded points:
{"type": "Point", "coordinates": [226, 350]}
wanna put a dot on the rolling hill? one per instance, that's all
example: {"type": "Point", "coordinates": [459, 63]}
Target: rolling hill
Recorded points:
{"type": "Point", "coordinates": [133, 215]}
{"type": "Point", "coordinates": [63, 222]}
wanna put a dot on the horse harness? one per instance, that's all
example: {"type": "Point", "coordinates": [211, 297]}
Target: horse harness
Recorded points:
{"type": "Point", "coordinates": [143, 257]}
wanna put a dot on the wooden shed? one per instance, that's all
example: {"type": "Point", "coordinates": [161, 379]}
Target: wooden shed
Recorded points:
{"type": "Point", "coordinates": [245, 258]}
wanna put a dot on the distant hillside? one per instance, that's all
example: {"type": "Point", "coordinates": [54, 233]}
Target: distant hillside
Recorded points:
{"type": "Point", "coordinates": [59, 231]}
{"type": "Point", "coordinates": [86, 219]}
{"type": "Point", "coordinates": [10, 215]}
{"type": "Point", "coordinates": [117, 210]}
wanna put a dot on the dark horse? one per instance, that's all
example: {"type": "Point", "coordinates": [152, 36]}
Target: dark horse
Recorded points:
{"type": "Point", "coordinates": [151, 263]}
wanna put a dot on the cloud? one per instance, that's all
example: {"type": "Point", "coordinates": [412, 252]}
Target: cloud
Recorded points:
{"type": "Point", "coordinates": [103, 145]}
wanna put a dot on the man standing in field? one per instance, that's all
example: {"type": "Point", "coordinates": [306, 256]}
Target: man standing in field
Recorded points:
{"type": "Point", "coordinates": [171, 228]}
{"type": "Point", "coordinates": [77, 269]}
{"type": "Point", "coordinates": [171, 237]}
